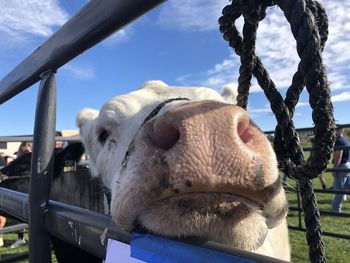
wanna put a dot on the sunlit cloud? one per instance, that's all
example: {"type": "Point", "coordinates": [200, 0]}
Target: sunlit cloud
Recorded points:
{"type": "Point", "coordinates": [260, 110]}
{"type": "Point", "coordinates": [344, 96]}
{"type": "Point", "coordinates": [302, 104]}
{"type": "Point", "coordinates": [30, 17]}
{"type": "Point", "coordinates": [26, 24]}
{"type": "Point", "coordinates": [118, 37]}
{"type": "Point", "coordinates": [191, 15]}
{"type": "Point", "coordinates": [85, 72]}
{"type": "Point", "coordinates": [275, 44]}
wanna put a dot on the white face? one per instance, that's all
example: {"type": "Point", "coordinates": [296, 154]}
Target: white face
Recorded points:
{"type": "Point", "coordinates": [197, 167]}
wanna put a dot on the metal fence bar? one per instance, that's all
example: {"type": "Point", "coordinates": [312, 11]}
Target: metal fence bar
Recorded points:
{"type": "Point", "coordinates": [97, 20]}
{"type": "Point", "coordinates": [19, 138]}
{"type": "Point", "coordinates": [324, 233]}
{"type": "Point", "coordinates": [332, 191]}
{"type": "Point", "coordinates": [14, 228]}
{"type": "Point", "coordinates": [340, 170]}
{"type": "Point", "coordinates": [29, 138]}
{"type": "Point", "coordinates": [322, 212]}
{"type": "Point", "coordinates": [42, 169]}
{"type": "Point", "coordinates": [327, 191]}
{"type": "Point", "coordinates": [15, 258]}
{"type": "Point", "coordinates": [90, 230]}
{"type": "Point", "coordinates": [310, 129]}
{"type": "Point", "coordinates": [86, 229]}
{"type": "Point", "coordinates": [309, 149]}
{"type": "Point", "coordinates": [300, 222]}
{"type": "Point", "coordinates": [14, 203]}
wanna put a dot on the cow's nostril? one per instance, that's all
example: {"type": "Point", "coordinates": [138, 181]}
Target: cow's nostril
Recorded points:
{"type": "Point", "coordinates": [244, 132]}
{"type": "Point", "coordinates": [165, 135]}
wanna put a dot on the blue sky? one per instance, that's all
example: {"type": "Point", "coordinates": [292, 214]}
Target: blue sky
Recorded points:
{"type": "Point", "coordinates": [179, 43]}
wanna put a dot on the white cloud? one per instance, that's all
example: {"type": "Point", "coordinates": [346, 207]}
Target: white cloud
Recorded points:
{"type": "Point", "coordinates": [20, 19]}
{"type": "Point", "coordinates": [260, 110]}
{"type": "Point", "coordinates": [254, 112]}
{"type": "Point", "coordinates": [85, 72]}
{"type": "Point", "coordinates": [191, 14]}
{"type": "Point", "coordinates": [302, 104]}
{"type": "Point", "coordinates": [118, 37]}
{"type": "Point", "coordinates": [275, 44]}
{"type": "Point", "coordinates": [344, 96]}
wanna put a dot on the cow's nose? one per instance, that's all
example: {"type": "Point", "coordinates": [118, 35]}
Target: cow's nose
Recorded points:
{"type": "Point", "coordinates": [193, 122]}
{"type": "Point", "coordinates": [210, 146]}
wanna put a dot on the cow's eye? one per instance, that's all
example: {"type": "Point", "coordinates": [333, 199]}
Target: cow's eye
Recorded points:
{"type": "Point", "coordinates": [103, 136]}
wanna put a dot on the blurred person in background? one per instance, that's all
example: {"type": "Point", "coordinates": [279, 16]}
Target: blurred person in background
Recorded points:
{"type": "Point", "coordinates": [25, 147]}
{"type": "Point", "coordinates": [341, 160]}
{"type": "Point", "coordinates": [2, 224]}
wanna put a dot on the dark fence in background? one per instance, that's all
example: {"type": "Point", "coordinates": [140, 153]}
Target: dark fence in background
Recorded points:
{"type": "Point", "coordinates": [298, 208]}
{"type": "Point", "coordinates": [300, 226]}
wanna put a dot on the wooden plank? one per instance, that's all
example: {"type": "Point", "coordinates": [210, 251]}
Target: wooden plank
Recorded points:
{"type": "Point", "coordinates": [97, 20]}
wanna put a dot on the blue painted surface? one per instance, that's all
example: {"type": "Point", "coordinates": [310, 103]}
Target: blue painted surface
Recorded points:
{"type": "Point", "coordinates": [156, 249]}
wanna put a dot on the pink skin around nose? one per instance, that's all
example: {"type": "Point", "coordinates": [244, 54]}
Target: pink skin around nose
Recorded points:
{"type": "Point", "coordinates": [203, 157]}
{"type": "Point", "coordinates": [213, 147]}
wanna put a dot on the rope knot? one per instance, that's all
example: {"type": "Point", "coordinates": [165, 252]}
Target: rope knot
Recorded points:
{"type": "Point", "coordinates": [254, 10]}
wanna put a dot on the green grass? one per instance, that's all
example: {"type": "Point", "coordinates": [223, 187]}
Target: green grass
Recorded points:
{"type": "Point", "coordinates": [6, 251]}
{"type": "Point", "coordinates": [337, 250]}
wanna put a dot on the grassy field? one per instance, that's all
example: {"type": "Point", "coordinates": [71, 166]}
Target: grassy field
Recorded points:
{"type": "Point", "coordinates": [6, 251]}
{"type": "Point", "coordinates": [337, 250]}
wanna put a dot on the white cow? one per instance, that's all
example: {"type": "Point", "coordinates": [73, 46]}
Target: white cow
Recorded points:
{"type": "Point", "coordinates": [184, 161]}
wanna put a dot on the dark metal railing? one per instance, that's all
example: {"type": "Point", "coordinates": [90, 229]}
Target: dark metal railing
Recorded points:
{"type": "Point", "coordinates": [310, 129]}
{"type": "Point", "coordinates": [42, 168]}
{"type": "Point", "coordinates": [29, 138]}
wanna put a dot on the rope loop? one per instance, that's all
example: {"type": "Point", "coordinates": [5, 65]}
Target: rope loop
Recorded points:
{"type": "Point", "coordinates": [309, 25]}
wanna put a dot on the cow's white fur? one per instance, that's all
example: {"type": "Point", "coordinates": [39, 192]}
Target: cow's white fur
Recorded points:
{"type": "Point", "coordinates": [121, 117]}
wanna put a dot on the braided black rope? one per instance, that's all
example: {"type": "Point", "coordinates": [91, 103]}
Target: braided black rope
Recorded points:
{"type": "Point", "coordinates": [309, 26]}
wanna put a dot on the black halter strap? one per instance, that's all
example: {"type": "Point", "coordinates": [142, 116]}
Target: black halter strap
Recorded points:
{"type": "Point", "coordinates": [150, 116]}
{"type": "Point", "coordinates": [153, 113]}
{"type": "Point", "coordinates": [159, 107]}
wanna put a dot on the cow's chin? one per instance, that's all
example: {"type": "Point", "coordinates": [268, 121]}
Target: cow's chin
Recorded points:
{"type": "Point", "coordinates": [218, 217]}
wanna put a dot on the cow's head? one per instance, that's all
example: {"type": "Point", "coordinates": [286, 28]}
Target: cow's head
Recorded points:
{"type": "Point", "coordinates": [185, 162]}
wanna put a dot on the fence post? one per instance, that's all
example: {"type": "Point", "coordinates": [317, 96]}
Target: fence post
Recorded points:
{"type": "Point", "coordinates": [42, 169]}
{"type": "Point", "coordinates": [299, 207]}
